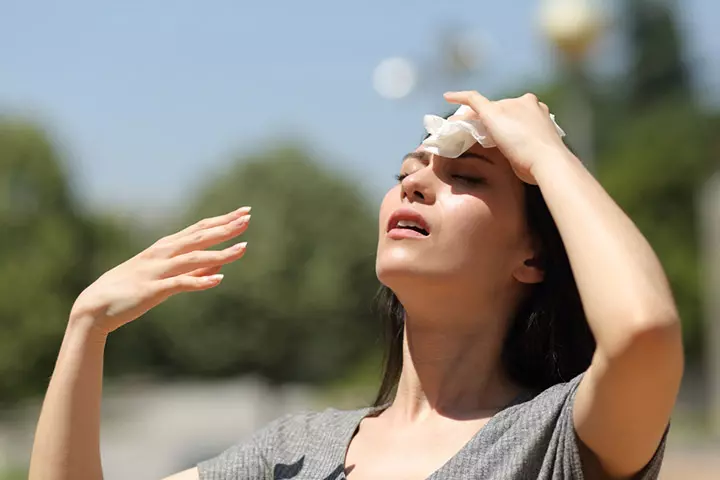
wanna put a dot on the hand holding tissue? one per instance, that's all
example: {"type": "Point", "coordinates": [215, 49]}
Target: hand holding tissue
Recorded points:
{"type": "Point", "coordinates": [452, 138]}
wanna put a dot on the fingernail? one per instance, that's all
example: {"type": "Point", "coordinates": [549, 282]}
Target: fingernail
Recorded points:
{"type": "Point", "coordinates": [214, 278]}
{"type": "Point", "coordinates": [246, 209]}
{"type": "Point", "coordinates": [239, 246]}
{"type": "Point", "coordinates": [242, 220]}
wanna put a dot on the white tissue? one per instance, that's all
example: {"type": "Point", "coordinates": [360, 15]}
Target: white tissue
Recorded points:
{"type": "Point", "coordinates": [452, 138]}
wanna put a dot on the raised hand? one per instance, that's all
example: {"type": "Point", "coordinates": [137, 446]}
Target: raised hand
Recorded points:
{"type": "Point", "coordinates": [521, 128]}
{"type": "Point", "coordinates": [176, 263]}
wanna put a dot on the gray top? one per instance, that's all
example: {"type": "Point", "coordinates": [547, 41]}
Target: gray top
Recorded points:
{"type": "Point", "coordinates": [533, 438]}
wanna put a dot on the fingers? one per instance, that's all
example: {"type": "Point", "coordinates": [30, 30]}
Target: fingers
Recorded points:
{"type": "Point", "coordinates": [211, 222]}
{"type": "Point", "coordinates": [531, 97]}
{"type": "Point", "coordinates": [185, 283]}
{"type": "Point", "coordinates": [190, 262]}
{"type": "Point", "coordinates": [167, 246]}
{"type": "Point", "coordinates": [207, 271]}
{"type": "Point", "coordinates": [470, 98]}
{"type": "Point", "coordinates": [207, 238]}
{"type": "Point", "coordinates": [202, 239]}
{"type": "Point", "coordinates": [216, 221]}
{"type": "Point", "coordinates": [479, 103]}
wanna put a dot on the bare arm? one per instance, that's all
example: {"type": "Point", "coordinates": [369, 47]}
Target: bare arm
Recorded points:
{"type": "Point", "coordinates": [624, 402]}
{"type": "Point", "coordinates": [67, 439]}
{"type": "Point", "coordinates": [625, 399]}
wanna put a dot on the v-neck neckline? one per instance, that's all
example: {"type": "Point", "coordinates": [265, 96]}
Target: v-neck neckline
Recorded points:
{"type": "Point", "coordinates": [364, 413]}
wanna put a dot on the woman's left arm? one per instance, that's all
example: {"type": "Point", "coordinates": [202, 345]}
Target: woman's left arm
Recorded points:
{"type": "Point", "coordinates": [624, 401]}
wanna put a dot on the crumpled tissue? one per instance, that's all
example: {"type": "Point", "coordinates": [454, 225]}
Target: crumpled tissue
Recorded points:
{"type": "Point", "coordinates": [452, 138]}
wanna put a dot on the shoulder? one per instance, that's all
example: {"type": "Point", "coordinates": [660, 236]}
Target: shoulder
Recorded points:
{"type": "Point", "coordinates": [545, 406]}
{"type": "Point", "coordinates": [539, 430]}
{"type": "Point", "coordinates": [557, 396]}
{"type": "Point", "coordinates": [560, 390]}
{"type": "Point", "coordinates": [544, 419]}
{"type": "Point", "coordinates": [306, 440]}
{"type": "Point", "coordinates": [313, 422]}
{"type": "Point", "coordinates": [305, 429]}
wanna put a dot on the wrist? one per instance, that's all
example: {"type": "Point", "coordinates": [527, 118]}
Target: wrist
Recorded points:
{"type": "Point", "coordinates": [552, 161]}
{"type": "Point", "coordinates": [84, 327]}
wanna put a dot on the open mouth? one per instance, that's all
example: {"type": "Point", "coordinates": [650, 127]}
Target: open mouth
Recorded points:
{"type": "Point", "coordinates": [406, 222]}
{"type": "Point", "coordinates": [410, 225]}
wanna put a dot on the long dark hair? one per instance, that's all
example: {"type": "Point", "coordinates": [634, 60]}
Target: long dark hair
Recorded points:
{"type": "Point", "coordinates": [548, 340]}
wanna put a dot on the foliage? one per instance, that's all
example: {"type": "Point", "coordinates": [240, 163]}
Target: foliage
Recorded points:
{"type": "Point", "coordinates": [15, 474]}
{"type": "Point", "coordinates": [297, 308]}
{"type": "Point", "coordinates": [655, 149]}
{"type": "Point", "coordinates": [658, 66]}
{"type": "Point", "coordinates": [654, 170]}
{"type": "Point", "coordinates": [45, 257]}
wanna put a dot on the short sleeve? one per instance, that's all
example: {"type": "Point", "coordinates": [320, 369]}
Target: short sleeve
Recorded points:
{"type": "Point", "coordinates": [247, 460]}
{"type": "Point", "coordinates": [568, 461]}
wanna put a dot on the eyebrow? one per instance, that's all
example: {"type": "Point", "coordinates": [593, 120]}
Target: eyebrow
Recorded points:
{"type": "Point", "coordinates": [478, 156]}
{"type": "Point", "coordinates": [423, 156]}
{"type": "Point", "coordinates": [417, 155]}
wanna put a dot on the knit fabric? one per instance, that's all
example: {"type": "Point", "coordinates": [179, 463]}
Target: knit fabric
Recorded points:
{"type": "Point", "coordinates": [530, 439]}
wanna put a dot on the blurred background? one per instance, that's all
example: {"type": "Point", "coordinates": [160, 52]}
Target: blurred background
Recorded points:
{"type": "Point", "coordinates": [121, 122]}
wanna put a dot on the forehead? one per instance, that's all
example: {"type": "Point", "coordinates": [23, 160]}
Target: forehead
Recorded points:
{"type": "Point", "coordinates": [493, 154]}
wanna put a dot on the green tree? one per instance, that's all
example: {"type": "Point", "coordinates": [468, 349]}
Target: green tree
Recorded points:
{"type": "Point", "coordinates": [655, 148]}
{"type": "Point", "coordinates": [654, 171]}
{"type": "Point", "coordinates": [50, 250]}
{"type": "Point", "coordinates": [663, 149]}
{"type": "Point", "coordinates": [298, 307]}
{"type": "Point", "coordinates": [44, 257]}
{"type": "Point", "coordinates": [658, 68]}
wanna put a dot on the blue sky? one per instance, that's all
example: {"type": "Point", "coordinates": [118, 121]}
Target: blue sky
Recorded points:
{"type": "Point", "coordinates": [148, 96]}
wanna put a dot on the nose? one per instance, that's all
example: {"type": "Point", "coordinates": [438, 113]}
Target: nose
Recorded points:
{"type": "Point", "coordinates": [419, 187]}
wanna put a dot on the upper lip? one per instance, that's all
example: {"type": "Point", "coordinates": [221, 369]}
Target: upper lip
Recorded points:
{"type": "Point", "coordinates": [407, 214]}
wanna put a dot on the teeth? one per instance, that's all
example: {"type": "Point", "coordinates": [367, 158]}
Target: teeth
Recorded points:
{"type": "Point", "coordinates": [408, 223]}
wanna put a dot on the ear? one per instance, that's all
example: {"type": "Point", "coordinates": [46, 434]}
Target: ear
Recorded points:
{"type": "Point", "coordinates": [530, 271]}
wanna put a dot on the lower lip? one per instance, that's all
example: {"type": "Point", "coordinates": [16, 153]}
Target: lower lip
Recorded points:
{"type": "Point", "coordinates": [400, 233]}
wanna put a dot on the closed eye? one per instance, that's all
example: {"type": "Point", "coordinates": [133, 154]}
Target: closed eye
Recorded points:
{"type": "Point", "coordinates": [470, 180]}
{"type": "Point", "coordinates": [400, 177]}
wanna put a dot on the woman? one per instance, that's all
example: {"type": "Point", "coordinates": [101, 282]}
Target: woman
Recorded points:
{"type": "Point", "coordinates": [495, 375]}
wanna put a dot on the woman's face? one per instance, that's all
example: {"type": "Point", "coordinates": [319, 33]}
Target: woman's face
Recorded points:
{"type": "Point", "coordinates": [459, 221]}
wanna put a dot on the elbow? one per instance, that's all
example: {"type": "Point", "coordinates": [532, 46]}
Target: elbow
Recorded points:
{"type": "Point", "coordinates": [655, 338]}
{"type": "Point", "coordinates": [658, 323]}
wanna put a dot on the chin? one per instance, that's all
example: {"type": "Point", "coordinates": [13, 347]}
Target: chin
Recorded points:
{"type": "Point", "coordinates": [400, 270]}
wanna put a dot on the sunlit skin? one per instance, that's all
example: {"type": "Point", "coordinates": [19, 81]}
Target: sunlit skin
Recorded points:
{"type": "Point", "coordinates": [458, 284]}
{"type": "Point", "coordinates": [478, 239]}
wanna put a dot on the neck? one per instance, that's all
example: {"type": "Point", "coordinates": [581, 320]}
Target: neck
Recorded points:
{"type": "Point", "coordinates": [452, 366]}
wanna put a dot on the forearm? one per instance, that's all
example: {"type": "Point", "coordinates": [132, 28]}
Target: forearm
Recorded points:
{"type": "Point", "coordinates": [67, 440]}
{"type": "Point", "coordinates": [621, 282]}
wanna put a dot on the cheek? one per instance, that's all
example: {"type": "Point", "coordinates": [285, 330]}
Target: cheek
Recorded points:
{"type": "Point", "coordinates": [474, 230]}
{"type": "Point", "coordinates": [389, 204]}
{"type": "Point", "coordinates": [466, 218]}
